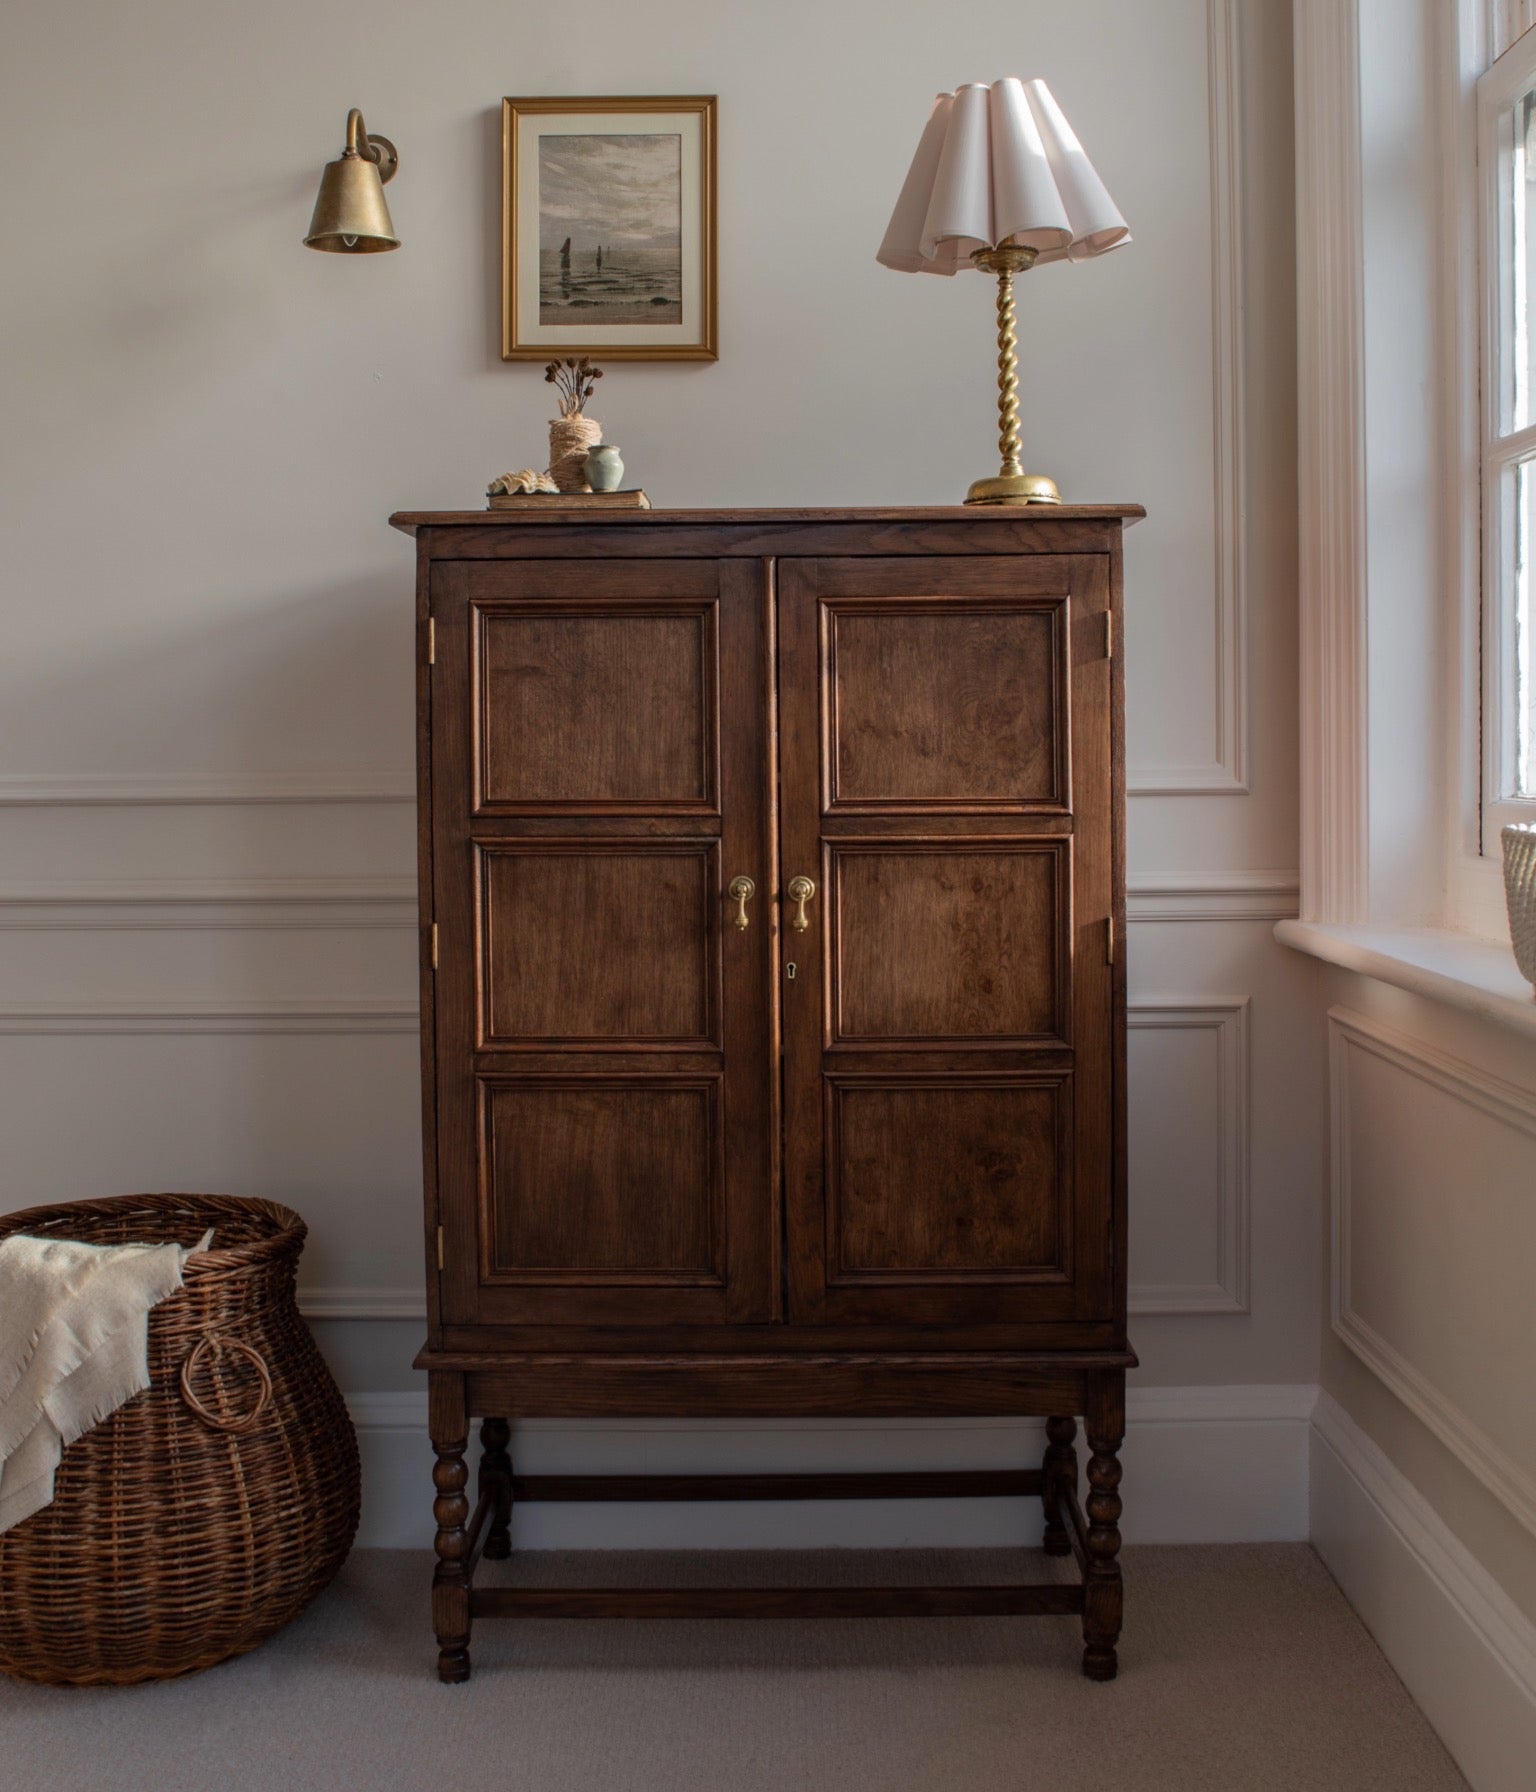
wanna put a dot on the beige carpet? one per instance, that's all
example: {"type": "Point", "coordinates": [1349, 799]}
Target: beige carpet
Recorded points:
{"type": "Point", "coordinates": [1242, 1670]}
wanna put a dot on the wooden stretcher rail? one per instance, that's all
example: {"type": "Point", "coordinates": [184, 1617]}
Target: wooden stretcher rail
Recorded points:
{"type": "Point", "coordinates": [774, 1602]}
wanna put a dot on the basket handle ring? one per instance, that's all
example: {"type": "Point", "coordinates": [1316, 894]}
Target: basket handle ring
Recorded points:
{"type": "Point", "coordinates": [240, 1422]}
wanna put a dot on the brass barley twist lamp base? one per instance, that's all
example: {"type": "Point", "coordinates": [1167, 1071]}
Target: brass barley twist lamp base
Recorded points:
{"type": "Point", "coordinates": [1012, 485]}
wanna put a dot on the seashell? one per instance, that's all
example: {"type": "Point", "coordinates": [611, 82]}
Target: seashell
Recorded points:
{"type": "Point", "coordinates": [525, 480]}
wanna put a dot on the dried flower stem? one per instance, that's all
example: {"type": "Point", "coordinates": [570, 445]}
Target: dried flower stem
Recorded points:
{"type": "Point", "coordinates": [574, 380]}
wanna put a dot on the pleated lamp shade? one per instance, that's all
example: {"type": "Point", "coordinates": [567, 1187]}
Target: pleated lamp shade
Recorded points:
{"type": "Point", "coordinates": [995, 165]}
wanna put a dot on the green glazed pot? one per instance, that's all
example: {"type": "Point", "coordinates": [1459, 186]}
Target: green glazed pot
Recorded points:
{"type": "Point", "coordinates": [604, 467]}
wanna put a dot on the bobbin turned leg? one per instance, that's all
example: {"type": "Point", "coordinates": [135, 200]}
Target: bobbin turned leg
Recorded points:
{"type": "Point", "coordinates": [449, 1425]}
{"type": "Point", "coordinates": [496, 1479]}
{"type": "Point", "coordinates": [1059, 1474]}
{"type": "Point", "coordinates": [1103, 1592]}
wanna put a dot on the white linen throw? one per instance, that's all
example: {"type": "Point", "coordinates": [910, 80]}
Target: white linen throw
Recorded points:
{"type": "Point", "coordinates": [74, 1336]}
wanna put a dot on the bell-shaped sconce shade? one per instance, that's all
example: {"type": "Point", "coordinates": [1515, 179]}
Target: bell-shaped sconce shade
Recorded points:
{"type": "Point", "coordinates": [351, 215]}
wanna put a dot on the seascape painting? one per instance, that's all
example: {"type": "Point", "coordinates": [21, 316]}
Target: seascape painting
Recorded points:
{"type": "Point", "coordinates": [610, 229]}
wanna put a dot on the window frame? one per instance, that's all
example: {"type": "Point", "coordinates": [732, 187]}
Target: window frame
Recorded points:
{"type": "Point", "coordinates": [1502, 270]}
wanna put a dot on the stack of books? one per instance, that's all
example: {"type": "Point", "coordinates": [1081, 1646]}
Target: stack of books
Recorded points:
{"type": "Point", "coordinates": [633, 499]}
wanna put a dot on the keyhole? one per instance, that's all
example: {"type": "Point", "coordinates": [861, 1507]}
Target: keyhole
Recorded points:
{"type": "Point", "coordinates": [789, 971]}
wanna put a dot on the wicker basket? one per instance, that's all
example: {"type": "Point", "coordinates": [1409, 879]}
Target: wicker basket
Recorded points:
{"type": "Point", "coordinates": [203, 1515]}
{"type": "Point", "coordinates": [1520, 893]}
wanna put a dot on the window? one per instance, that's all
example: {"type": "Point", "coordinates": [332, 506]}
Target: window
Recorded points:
{"type": "Point", "coordinates": [1506, 97]}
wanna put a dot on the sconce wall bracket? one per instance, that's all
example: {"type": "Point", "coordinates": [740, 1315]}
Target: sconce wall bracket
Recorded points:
{"type": "Point", "coordinates": [371, 146]}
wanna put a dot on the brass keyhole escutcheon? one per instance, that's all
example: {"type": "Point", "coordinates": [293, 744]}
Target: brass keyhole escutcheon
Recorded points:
{"type": "Point", "coordinates": [742, 890]}
{"type": "Point", "coordinates": [801, 890]}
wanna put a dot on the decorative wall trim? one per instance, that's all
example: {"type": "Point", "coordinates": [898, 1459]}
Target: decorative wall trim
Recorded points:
{"type": "Point", "coordinates": [1208, 1465]}
{"type": "Point", "coordinates": [1182, 780]}
{"type": "Point", "coordinates": [70, 1020]}
{"type": "Point", "coordinates": [363, 1303]}
{"type": "Point", "coordinates": [1227, 774]}
{"type": "Point", "coordinates": [129, 904]}
{"type": "Point", "coordinates": [1330, 374]}
{"type": "Point", "coordinates": [1464, 1649]}
{"type": "Point", "coordinates": [1218, 896]}
{"type": "Point", "coordinates": [134, 789]}
{"type": "Point", "coordinates": [1229, 452]}
{"type": "Point", "coordinates": [192, 904]}
{"type": "Point", "coordinates": [1509, 1482]}
{"type": "Point", "coordinates": [1230, 1292]}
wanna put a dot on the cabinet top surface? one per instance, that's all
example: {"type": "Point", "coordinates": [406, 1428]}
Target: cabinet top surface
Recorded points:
{"type": "Point", "coordinates": [980, 515]}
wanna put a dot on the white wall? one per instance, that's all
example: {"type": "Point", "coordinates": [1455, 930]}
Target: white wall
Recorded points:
{"type": "Point", "coordinates": [206, 947]}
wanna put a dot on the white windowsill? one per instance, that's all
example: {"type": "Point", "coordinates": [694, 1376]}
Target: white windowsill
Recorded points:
{"type": "Point", "coordinates": [1478, 975]}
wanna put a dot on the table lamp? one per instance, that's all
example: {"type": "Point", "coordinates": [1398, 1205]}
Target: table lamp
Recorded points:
{"type": "Point", "coordinates": [1000, 183]}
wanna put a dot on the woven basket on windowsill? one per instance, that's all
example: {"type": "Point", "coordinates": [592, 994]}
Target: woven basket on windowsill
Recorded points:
{"type": "Point", "coordinates": [205, 1513]}
{"type": "Point", "coordinates": [1519, 840]}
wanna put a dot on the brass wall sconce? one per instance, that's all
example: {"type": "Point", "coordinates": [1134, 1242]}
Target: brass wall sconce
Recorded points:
{"type": "Point", "coordinates": [351, 216]}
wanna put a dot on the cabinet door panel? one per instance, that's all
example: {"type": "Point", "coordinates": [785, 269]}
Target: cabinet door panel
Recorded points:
{"type": "Point", "coordinates": [947, 1178]}
{"type": "Point", "coordinates": [946, 775]}
{"type": "Point", "coordinates": [938, 942]}
{"type": "Point", "coordinates": [938, 705]}
{"type": "Point", "coordinates": [598, 942]}
{"type": "Point", "coordinates": [595, 704]}
{"type": "Point", "coordinates": [603, 1181]}
{"type": "Point", "coordinates": [605, 1047]}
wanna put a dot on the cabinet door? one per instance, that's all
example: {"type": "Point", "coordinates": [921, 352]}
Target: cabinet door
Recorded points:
{"type": "Point", "coordinates": [606, 1071]}
{"type": "Point", "coordinates": [948, 1075]}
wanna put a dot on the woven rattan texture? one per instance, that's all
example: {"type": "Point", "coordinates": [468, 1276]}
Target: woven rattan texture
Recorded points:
{"type": "Point", "coordinates": [1520, 893]}
{"type": "Point", "coordinates": [175, 1541]}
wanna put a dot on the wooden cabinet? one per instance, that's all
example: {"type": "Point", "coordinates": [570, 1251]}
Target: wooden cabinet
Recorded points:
{"type": "Point", "coordinates": [772, 874]}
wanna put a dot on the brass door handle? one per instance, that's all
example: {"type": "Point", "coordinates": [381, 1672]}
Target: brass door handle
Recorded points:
{"type": "Point", "coordinates": [742, 890]}
{"type": "Point", "coordinates": [801, 890]}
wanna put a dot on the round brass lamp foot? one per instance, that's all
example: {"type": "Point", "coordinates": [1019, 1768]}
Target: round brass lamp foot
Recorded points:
{"type": "Point", "coordinates": [1014, 488]}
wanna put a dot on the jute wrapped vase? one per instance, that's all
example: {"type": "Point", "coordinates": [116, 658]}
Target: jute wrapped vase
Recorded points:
{"type": "Point", "coordinates": [569, 440]}
{"type": "Point", "coordinates": [1520, 893]}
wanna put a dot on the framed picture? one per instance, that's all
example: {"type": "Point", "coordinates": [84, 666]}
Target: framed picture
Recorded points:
{"type": "Point", "coordinates": [608, 229]}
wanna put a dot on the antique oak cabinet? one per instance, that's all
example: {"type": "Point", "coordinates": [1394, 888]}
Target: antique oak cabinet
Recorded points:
{"type": "Point", "coordinates": [773, 1010]}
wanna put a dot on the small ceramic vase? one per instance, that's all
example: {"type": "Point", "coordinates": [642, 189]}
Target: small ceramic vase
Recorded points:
{"type": "Point", "coordinates": [1520, 893]}
{"type": "Point", "coordinates": [604, 468]}
{"type": "Point", "coordinates": [569, 440]}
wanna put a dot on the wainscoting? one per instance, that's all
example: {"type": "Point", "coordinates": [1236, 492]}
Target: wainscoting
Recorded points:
{"type": "Point", "coordinates": [1434, 1235]}
{"type": "Point", "coordinates": [1432, 1163]}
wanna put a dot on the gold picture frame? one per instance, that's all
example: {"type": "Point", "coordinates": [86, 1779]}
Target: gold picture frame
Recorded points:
{"type": "Point", "coordinates": [608, 228]}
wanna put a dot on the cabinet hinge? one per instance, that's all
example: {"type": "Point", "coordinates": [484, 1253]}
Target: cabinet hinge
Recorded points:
{"type": "Point", "coordinates": [434, 945]}
{"type": "Point", "coordinates": [431, 640]}
{"type": "Point", "coordinates": [1109, 634]}
{"type": "Point", "coordinates": [439, 1247]}
{"type": "Point", "coordinates": [1109, 941]}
